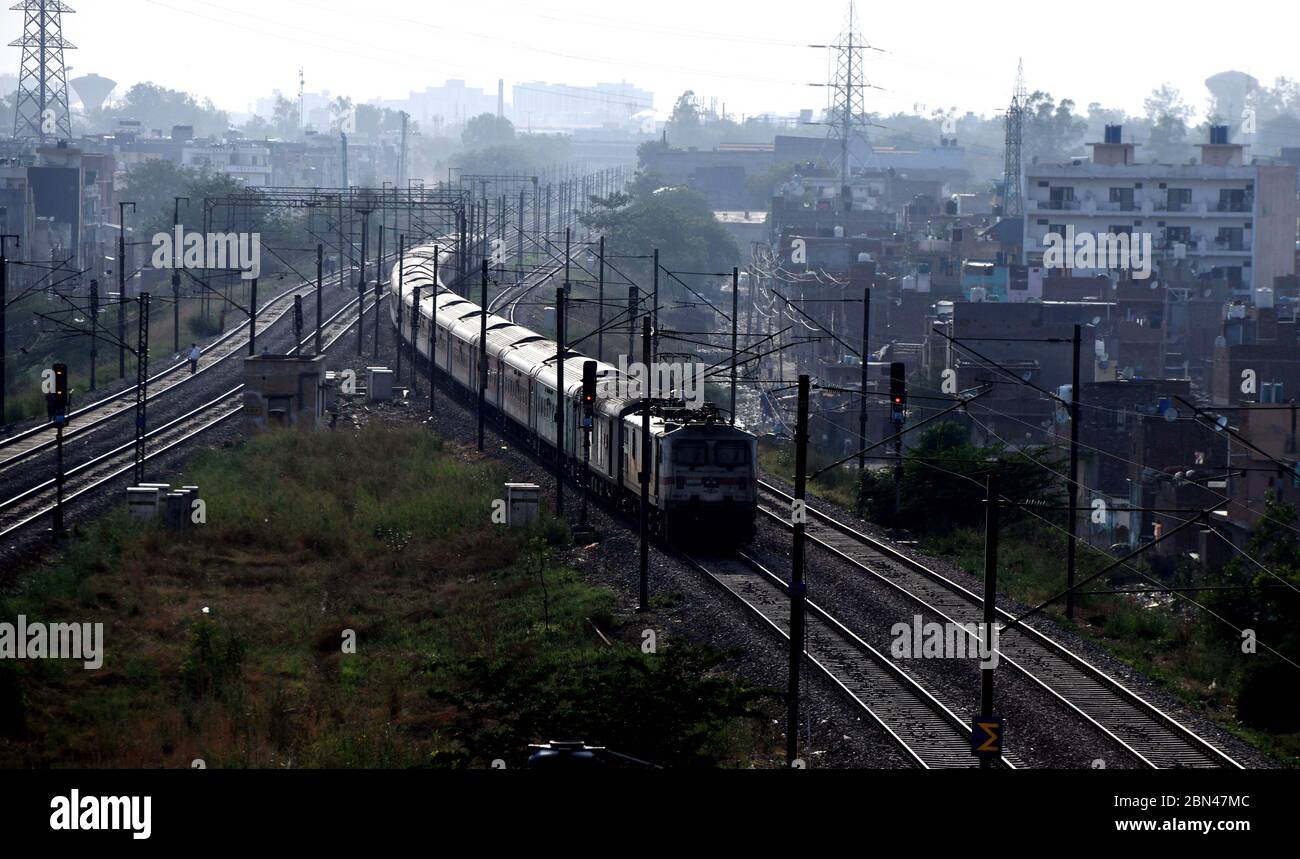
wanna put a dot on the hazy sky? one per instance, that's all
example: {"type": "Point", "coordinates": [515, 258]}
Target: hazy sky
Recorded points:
{"type": "Point", "coordinates": [751, 55]}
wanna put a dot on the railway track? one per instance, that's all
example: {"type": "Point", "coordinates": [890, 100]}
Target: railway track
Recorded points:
{"type": "Point", "coordinates": [1142, 729]}
{"type": "Point", "coordinates": [91, 417]}
{"type": "Point", "coordinates": [926, 731]}
{"type": "Point", "coordinates": [30, 506]}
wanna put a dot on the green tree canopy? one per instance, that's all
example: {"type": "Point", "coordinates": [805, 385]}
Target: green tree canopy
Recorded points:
{"type": "Point", "coordinates": [677, 221]}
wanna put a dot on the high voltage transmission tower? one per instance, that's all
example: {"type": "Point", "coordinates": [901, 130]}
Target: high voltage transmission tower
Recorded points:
{"type": "Point", "coordinates": [847, 116]}
{"type": "Point", "coordinates": [1013, 197]}
{"type": "Point", "coordinates": [42, 100]}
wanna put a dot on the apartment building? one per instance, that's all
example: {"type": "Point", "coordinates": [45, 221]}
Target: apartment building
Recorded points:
{"type": "Point", "coordinates": [1215, 219]}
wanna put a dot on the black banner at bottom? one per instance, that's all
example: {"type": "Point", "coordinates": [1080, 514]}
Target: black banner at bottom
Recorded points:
{"type": "Point", "coordinates": [141, 809]}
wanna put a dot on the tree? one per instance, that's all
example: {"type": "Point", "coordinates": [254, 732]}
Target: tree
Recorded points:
{"type": "Point", "coordinates": [1051, 130]}
{"type": "Point", "coordinates": [286, 118]}
{"type": "Point", "coordinates": [956, 486]}
{"type": "Point", "coordinates": [1270, 611]}
{"type": "Point", "coordinates": [487, 129]}
{"type": "Point", "coordinates": [677, 221]}
{"type": "Point", "coordinates": [686, 115]}
{"type": "Point", "coordinates": [1169, 115]}
{"type": "Point", "coordinates": [257, 128]}
{"type": "Point", "coordinates": [158, 107]}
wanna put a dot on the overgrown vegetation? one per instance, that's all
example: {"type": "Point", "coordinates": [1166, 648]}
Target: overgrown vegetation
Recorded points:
{"type": "Point", "coordinates": [232, 642]}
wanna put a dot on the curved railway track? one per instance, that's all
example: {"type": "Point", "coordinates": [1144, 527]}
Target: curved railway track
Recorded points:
{"type": "Point", "coordinates": [30, 506]}
{"type": "Point", "coordinates": [926, 731]}
{"type": "Point", "coordinates": [94, 415]}
{"type": "Point", "coordinates": [1151, 735]}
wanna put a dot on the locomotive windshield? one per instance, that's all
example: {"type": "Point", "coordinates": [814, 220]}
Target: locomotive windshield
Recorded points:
{"type": "Point", "coordinates": [729, 453]}
{"type": "Point", "coordinates": [690, 453]}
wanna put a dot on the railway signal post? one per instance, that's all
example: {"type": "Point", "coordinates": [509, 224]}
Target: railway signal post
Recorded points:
{"type": "Point", "coordinates": [986, 738]}
{"type": "Point", "coordinates": [252, 317]}
{"type": "Point", "coordinates": [897, 417]}
{"type": "Point", "coordinates": [798, 590]}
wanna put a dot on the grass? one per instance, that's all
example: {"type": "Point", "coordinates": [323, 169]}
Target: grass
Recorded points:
{"type": "Point", "coordinates": [839, 485]}
{"type": "Point", "coordinates": [361, 611]}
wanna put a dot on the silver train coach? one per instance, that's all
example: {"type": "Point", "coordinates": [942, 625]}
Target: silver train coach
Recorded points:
{"type": "Point", "coordinates": [703, 481]}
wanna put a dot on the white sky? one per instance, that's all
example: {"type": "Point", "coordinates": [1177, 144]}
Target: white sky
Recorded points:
{"type": "Point", "coordinates": [751, 55]}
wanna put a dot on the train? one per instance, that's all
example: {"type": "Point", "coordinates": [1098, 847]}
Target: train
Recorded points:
{"type": "Point", "coordinates": [704, 471]}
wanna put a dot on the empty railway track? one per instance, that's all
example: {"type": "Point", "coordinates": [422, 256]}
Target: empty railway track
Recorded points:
{"type": "Point", "coordinates": [1151, 735]}
{"type": "Point", "coordinates": [95, 415]}
{"type": "Point", "coordinates": [923, 728]}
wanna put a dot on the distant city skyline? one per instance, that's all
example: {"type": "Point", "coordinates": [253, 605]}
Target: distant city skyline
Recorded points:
{"type": "Point", "coordinates": [751, 57]}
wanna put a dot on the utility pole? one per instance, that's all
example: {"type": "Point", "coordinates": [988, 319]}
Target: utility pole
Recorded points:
{"type": "Point", "coordinates": [1073, 478]}
{"type": "Point", "coordinates": [482, 351]}
{"type": "Point", "coordinates": [379, 277]}
{"type": "Point", "coordinates": [559, 399]}
{"type": "Point", "coordinates": [600, 305]}
{"type": "Point", "coordinates": [121, 287]}
{"type": "Point", "coordinates": [401, 161]}
{"type": "Point", "coordinates": [862, 405]}
{"type": "Point", "coordinates": [415, 341]}
{"type": "Point", "coordinates": [519, 240]}
{"type": "Point", "coordinates": [176, 276]}
{"type": "Point", "coordinates": [4, 298]}
{"type": "Point", "coordinates": [94, 329]}
{"type": "Point", "coordinates": [990, 600]}
{"type": "Point", "coordinates": [633, 299]}
{"type": "Point", "coordinates": [798, 590]}
{"type": "Point", "coordinates": [141, 385]}
{"type": "Point", "coordinates": [401, 285]}
{"type": "Point", "coordinates": [361, 284]}
{"type": "Point", "coordinates": [433, 332]}
{"type": "Point", "coordinates": [643, 604]}
{"type": "Point", "coordinates": [320, 297]}
{"type": "Point", "coordinates": [735, 321]}
{"type": "Point", "coordinates": [654, 310]}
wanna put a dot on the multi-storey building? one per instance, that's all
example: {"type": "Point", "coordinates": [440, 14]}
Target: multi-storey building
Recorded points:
{"type": "Point", "coordinates": [1216, 218]}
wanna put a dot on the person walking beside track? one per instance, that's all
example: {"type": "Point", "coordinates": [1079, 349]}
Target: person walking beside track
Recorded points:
{"type": "Point", "coordinates": [195, 352]}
